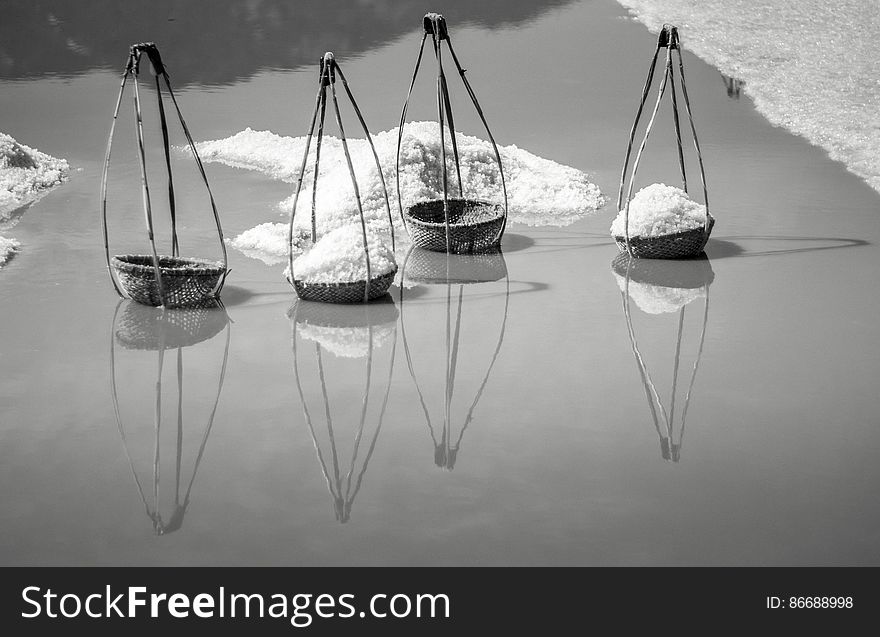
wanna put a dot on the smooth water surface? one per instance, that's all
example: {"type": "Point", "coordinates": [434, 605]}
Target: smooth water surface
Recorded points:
{"type": "Point", "coordinates": [508, 416]}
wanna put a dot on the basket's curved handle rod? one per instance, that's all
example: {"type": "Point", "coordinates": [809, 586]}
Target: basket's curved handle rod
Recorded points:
{"type": "Point", "coordinates": [638, 158]}
{"type": "Point", "coordinates": [330, 62]}
{"type": "Point", "coordinates": [369, 137]}
{"type": "Point", "coordinates": [687, 105]}
{"type": "Point", "coordinates": [675, 367]}
{"type": "Point", "coordinates": [473, 97]}
{"type": "Point", "coordinates": [104, 174]}
{"type": "Point", "coordinates": [400, 130]}
{"type": "Point", "coordinates": [145, 188]}
{"type": "Point", "coordinates": [673, 43]}
{"type": "Point", "coordinates": [320, 103]}
{"type": "Point", "coordinates": [432, 19]}
{"type": "Point", "coordinates": [325, 82]}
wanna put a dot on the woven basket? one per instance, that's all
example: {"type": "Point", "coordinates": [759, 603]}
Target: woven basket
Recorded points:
{"type": "Point", "coordinates": [681, 245]}
{"type": "Point", "coordinates": [140, 327]}
{"type": "Point", "coordinates": [687, 274]}
{"type": "Point", "coordinates": [185, 281]}
{"type": "Point", "coordinates": [474, 226]}
{"type": "Point", "coordinates": [433, 268]}
{"type": "Point", "coordinates": [344, 292]}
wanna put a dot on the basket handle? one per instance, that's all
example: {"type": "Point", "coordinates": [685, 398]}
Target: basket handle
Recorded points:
{"type": "Point", "coordinates": [668, 39]}
{"type": "Point", "coordinates": [435, 26]}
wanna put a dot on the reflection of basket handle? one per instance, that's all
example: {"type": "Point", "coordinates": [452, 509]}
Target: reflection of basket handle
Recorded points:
{"type": "Point", "coordinates": [327, 77]}
{"type": "Point", "coordinates": [445, 451]}
{"type": "Point", "coordinates": [668, 39]}
{"type": "Point", "coordinates": [651, 391]}
{"type": "Point", "coordinates": [132, 69]}
{"type": "Point", "coordinates": [435, 26]}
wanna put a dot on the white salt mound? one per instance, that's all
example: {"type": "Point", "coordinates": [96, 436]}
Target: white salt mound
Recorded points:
{"type": "Point", "coordinates": [26, 174]}
{"type": "Point", "coordinates": [659, 210]}
{"type": "Point", "coordinates": [540, 192]}
{"type": "Point", "coordinates": [347, 342]}
{"type": "Point", "coordinates": [659, 299]}
{"type": "Point", "coordinates": [7, 248]}
{"type": "Point", "coordinates": [338, 257]}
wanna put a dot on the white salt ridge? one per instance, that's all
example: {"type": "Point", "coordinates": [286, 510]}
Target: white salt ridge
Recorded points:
{"type": "Point", "coordinates": [659, 210]}
{"type": "Point", "coordinates": [7, 248]}
{"type": "Point", "coordinates": [809, 65]}
{"type": "Point", "coordinates": [540, 191]}
{"type": "Point", "coordinates": [658, 299]}
{"type": "Point", "coordinates": [338, 257]}
{"type": "Point", "coordinates": [26, 174]}
{"type": "Point", "coordinates": [347, 342]}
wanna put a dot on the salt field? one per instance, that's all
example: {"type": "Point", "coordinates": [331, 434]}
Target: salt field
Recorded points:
{"type": "Point", "coordinates": [552, 404]}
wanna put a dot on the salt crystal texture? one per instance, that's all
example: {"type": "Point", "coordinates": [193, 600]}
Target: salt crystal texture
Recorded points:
{"type": "Point", "coordinates": [26, 175]}
{"type": "Point", "coordinates": [338, 257]}
{"type": "Point", "coordinates": [658, 210]}
{"type": "Point", "coordinates": [7, 248]}
{"type": "Point", "coordinates": [659, 299]}
{"type": "Point", "coordinates": [540, 192]}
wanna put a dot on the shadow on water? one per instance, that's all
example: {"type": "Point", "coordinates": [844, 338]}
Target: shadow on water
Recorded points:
{"type": "Point", "coordinates": [516, 242]}
{"type": "Point", "coordinates": [454, 272]}
{"type": "Point", "coordinates": [348, 332]}
{"type": "Point", "coordinates": [145, 329]}
{"type": "Point", "coordinates": [738, 246]}
{"type": "Point", "coordinates": [659, 287]}
{"type": "Point", "coordinates": [220, 41]}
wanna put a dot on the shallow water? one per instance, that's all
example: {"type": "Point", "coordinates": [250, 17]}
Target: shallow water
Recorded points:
{"type": "Point", "coordinates": [560, 461]}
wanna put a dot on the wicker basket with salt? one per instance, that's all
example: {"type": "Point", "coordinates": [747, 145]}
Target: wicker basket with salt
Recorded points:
{"type": "Point", "coordinates": [457, 225]}
{"type": "Point", "coordinates": [332, 270]}
{"type": "Point", "coordinates": [154, 279]}
{"type": "Point", "coordinates": [662, 222]}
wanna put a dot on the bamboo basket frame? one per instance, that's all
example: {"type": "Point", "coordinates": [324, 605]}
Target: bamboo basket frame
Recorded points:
{"type": "Point", "coordinates": [343, 292]}
{"type": "Point", "coordinates": [680, 245]}
{"type": "Point", "coordinates": [182, 291]}
{"type": "Point", "coordinates": [160, 526]}
{"type": "Point", "coordinates": [426, 233]}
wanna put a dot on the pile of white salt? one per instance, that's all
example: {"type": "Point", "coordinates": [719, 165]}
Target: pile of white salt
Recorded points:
{"type": "Point", "coordinates": [658, 210]}
{"type": "Point", "coordinates": [540, 191]}
{"type": "Point", "coordinates": [339, 257]}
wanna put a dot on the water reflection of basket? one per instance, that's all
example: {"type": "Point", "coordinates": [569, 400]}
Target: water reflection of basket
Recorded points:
{"type": "Point", "coordinates": [437, 268]}
{"type": "Point", "coordinates": [371, 318]}
{"type": "Point", "coordinates": [675, 278]}
{"type": "Point", "coordinates": [150, 328]}
{"type": "Point", "coordinates": [146, 328]}
{"type": "Point", "coordinates": [447, 444]}
{"type": "Point", "coordinates": [169, 281]}
{"type": "Point", "coordinates": [347, 331]}
{"type": "Point", "coordinates": [455, 225]}
{"type": "Point", "coordinates": [474, 226]}
{"type": "Point", "coordinates": [185, 281]}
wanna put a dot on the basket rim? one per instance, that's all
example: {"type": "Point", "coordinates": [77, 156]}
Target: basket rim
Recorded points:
{"type": "Point", "coordinates": [184, 266]}
{"type": "Point", "coordinates": [442, 224]}
{"type": "Point", "coordinates": [663, 237]}
{"type": "Point", "coordinates": [344, 284]}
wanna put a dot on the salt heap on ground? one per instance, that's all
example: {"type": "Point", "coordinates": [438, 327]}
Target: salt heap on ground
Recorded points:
{"type": "Point", "coordinates": [338, 257]}
{"type": "Point", "coordinates": [659, 210]}
{"type": "Point", "coordinates": [540, 192]}
{"type": "Point", "coordinates": [26, 175]}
